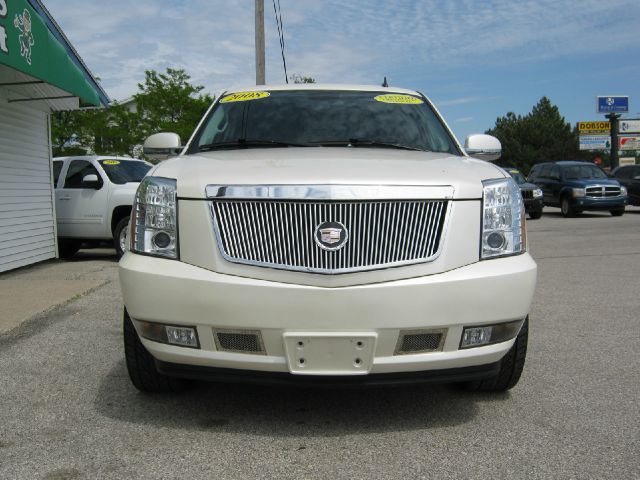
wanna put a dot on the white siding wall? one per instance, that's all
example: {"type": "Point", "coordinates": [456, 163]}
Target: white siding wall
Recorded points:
{"type": "Point", "coordinates": [27, 233]}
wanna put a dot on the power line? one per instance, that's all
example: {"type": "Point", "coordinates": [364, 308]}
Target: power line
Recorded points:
{"type": "Point", "coordinates": [278, 14]}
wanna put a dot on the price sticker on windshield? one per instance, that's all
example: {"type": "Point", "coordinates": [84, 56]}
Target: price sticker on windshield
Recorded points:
{"type": "Point", "coordinates": [111, 162]}
{"type": "Point", "coordinates": [399, 99]}
{"type": "Point", "coordinates": [244, 96]}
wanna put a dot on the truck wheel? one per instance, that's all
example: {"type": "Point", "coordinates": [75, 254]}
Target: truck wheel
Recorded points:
{"type": "Point", "coordinates": [67, 248]}
{"type": "Point", "coordinates": [535, 215]}
{"type": "Point", "coordinates": [618, 212]}
{"type": "Point", "coordinates": [566, 208]}
{"type": "Point", "coordinates": [511, 367]}
{"type": "Point", "coordinates": [120, 236]}
{"type": "Point", "coordinates": [141, 365]}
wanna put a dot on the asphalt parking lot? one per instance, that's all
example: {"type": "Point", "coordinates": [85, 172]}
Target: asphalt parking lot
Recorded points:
{"type": "Point", "coordinates": [69, 411]}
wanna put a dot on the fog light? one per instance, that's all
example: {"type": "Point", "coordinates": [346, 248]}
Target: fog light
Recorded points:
{"type": "Point", "coordinates": [495, 240]}
{"type": "Point", "coordinates": [162, 240]}
{"type": "Point", "coordinates": [489, 334]}
{"type": "Point", "coordinates": [182, 336]}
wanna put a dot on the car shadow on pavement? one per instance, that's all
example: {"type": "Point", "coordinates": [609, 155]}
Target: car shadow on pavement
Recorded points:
{"type": "Point", "coordinates": [85, 254]}
{"type": "Point", "coordinates": [289, 412]}
{"type": "Point", "coordinates": [577, 216]}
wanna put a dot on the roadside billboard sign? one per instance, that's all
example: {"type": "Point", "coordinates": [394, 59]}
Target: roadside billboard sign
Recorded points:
{"type": "Point", "coordinates": [629, 142]}
{"type": "Point", "coordinates": [627, 161]}
{"type": "Point", "coordinates": [629, 126]}
{"type": "Point", "coordinates": [595, 142]}
{"type": "Point", "coordinates": [594, 128]}
{"type": "Point", "coordinates": [612, 104]}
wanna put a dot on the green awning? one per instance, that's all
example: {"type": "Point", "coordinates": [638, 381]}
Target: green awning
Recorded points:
{"type": "Point", "coordinates": [27, 45]}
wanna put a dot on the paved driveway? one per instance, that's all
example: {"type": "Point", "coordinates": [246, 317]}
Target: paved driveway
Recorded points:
{"type": "Point", "coordinates": [67, 409]}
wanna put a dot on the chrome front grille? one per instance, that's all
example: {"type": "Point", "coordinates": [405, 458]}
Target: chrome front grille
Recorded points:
{"type": "Point", "coordinates": [281, 233]}
{"type": "Point", "coordinates": [600, 191]}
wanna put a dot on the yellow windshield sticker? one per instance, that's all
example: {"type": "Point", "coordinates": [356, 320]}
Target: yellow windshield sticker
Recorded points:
{"type": "Point", "coordinates": [398, 98]}
{"type": "Point", "coordinates": [244, 96]}
{"type": "Point", "coordinates": [111, 162]}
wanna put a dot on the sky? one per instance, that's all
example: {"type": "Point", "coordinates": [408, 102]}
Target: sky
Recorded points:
{"type": "Point", "coordinates": [476, 60]}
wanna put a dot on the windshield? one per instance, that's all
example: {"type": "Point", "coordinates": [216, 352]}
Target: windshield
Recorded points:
{"type": "Point", "coordinates": [583, 172]}
{"type": "Point", "coordinates": [517, 176]}
{"type": "Point", "coordinates": [323, 118]}
{"type": "Point", "coordinates": [124, 171]}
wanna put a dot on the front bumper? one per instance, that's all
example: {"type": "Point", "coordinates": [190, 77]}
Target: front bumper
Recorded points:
{"type": "Point", "coordinates": [533, 204]}
{"type": "Point", "coordinates": [173, 292]}
{"type": "Point", "coordinates": [605, 203]}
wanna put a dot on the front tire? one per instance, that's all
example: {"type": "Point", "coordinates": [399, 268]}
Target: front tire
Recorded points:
{"type": "Point", "coordinates": [511, 367]}
{"type": "Point", "coordinates": [141, 365]}
{"type": "Point", "coordinates": [566, 208]}
{"type": "Point", "coordinates": [120, 236]}
{"type": "Point", "coordinates": [618, 212]}
{"type": "Point", "coordinates": [535, 215]}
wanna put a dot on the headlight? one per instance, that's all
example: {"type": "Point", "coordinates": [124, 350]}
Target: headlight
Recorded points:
{"type": "Point", "coordinates": [623, 191]}
{"type": "Point", "coordinates": [154, 226]}
{"type": "Point", "coordinates": [578, 192]}
{"type": "Point", "coordinates": [537, 193]}
{"type": "Point", "coordinates": [503, 227]}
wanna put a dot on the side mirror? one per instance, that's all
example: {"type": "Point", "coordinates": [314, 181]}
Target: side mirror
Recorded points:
{"type": "Point", "coordinates": [91, 181]}
{"type": "Point", "coordinates": [483, 147]}
{"type": "Point", "coordinates": [161, 146]}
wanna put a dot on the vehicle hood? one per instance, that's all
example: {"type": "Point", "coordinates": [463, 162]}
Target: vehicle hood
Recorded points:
{"type": "Point", "coordinates": [528, 186]}
{"type": "Point", "coordinates": [326, 166]}
{"type": "Point", "coordinates": [591, 181]}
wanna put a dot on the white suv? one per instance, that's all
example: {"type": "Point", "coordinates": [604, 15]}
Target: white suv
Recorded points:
{"type": "Point", "coordinates": [326, 235]}
{"type": "Point", "coordinates": [94, 196]}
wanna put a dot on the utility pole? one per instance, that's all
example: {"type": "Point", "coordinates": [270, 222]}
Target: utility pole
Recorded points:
{"type": "Point", "coordinates": [260, 76]}
{"type": "Point", "coordinates": [613, 118]}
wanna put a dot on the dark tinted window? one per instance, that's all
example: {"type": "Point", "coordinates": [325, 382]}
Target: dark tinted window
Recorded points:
{"type": "Point", "coordinates": [57, 168]}
{"type": "Point", "coordinates": [78, 169]}
{"type": "Point", "coordinates": [554, 174]}
{"type": "Point", "coordinates": [583, 172]}
{"type": "Point", "coordinates": [124, 171]}
{"type": "Point", "coordinates": [624, 172]}
{"type": "Point", "coordinates": [517, 176]}
{"type": "Point", "coordinates": [545, 171]}
{"type": "Point", "coordinates": [326, 118]}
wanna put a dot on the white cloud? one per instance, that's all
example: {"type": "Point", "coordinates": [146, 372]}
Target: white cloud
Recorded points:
{"type": "Point", "coordinates": [335, 41]}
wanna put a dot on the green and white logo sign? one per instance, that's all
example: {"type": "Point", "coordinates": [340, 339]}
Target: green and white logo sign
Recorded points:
{"type": "Point", "coordinates": [23, 25]}
{"type": "Point", "coordinates": [22, 33]}
{"type": "Point", "coordinates": [3, 32]}
{"type": "Point", "coordinates": [28, 45]}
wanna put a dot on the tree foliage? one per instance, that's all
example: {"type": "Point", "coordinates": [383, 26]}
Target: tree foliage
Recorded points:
{"type": "Point", "coordinates": [165, 102]}
{"type": "Point", "coordinates": [169, 102]}
{"type": "Point", "coordinates": [299, 78]}
{"type": "Point", "coordinates": [541, 135]}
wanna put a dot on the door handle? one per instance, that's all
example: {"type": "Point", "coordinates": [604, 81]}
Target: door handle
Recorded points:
{"type": "Point", "coordinates": [64, 198]}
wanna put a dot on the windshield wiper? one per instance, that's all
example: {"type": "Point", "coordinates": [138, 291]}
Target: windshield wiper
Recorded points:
{"type": "Point", "coordinates": [249, 142]}
{"type": "Point", "coordinates": [365, 142]}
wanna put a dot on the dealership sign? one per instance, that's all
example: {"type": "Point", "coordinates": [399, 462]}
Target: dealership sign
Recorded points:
{"type": "Point", "coordinates": [612, 104]}
{"type": "Point", "coordinates": [629, 142]}
{"type": "Point", "coordinates": [595, 142]}
{"type": "Point", "coordinates": [594, 128]}
{"type": "Point", "coordinates": [629, 126]}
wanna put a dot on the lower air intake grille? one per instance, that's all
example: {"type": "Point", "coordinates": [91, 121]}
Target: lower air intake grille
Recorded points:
{"type": "Point", "coordinates": [239, 341]}
{"type": "Point", "coordinates": [420, 341]}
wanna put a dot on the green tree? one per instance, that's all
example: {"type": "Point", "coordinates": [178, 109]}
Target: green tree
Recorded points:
{"type": "Point", "coordinates": [166, 102]}
{"type": "Point", "coordinates": [299, 78]}
{"type": "Point", "coordinates": [169, 102]}
{"type": "Point", "coordinates": [541, 135]}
